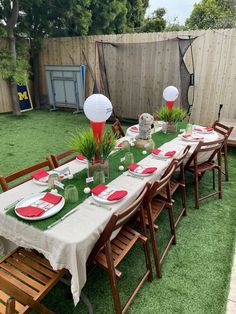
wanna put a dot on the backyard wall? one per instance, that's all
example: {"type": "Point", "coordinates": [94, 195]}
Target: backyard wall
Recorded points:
{"type": "Point", "coordinates": [215, 66]}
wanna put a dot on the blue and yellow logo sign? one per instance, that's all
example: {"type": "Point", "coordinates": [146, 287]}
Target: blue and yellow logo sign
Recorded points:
{"type": "Point", "coordinates": [24, 98]}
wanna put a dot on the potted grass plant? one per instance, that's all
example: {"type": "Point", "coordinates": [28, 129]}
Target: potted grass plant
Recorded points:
{"type": "Point", "coordinates": [96, 152]}
{"type": "Point", "coordinates": [171, 117]}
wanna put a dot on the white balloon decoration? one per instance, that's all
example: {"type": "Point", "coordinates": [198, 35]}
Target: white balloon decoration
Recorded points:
{"type": "Point", "coordinates": [97, 108]}
{"type": "Point", "coordinates": [170, 93]}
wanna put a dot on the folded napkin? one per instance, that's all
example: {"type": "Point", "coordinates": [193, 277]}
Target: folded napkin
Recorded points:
{"type": "Point", "coordinates": [51, 198]}
{"type": "Point", "coordinates": [30, 211]}
{"type": "Point", "coordinates": [112, 196]}
{"type": "Point", "coordinates": [80, 157]}
{"type": "Point", "coordinates": [159, 152]}
{"type": "Point", "coordinates": [134, 128]}
{"type": "Point", "coordinates": [39, 174]}
{"type": "Point", "coordinates": [192, 137]}
{"type": "Point", "coordinates": [205, 129]}
{"type": "Point", "coordinates": [140, 169]}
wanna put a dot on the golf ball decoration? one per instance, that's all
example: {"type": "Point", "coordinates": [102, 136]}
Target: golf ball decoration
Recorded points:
{"type": "Point", "coordinates": [87, 190]}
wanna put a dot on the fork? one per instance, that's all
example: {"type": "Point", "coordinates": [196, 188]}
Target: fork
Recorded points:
{"type": "Point", "coordinates": [133, 176]}
{"type": "Point", "coordinates": [100, 205]}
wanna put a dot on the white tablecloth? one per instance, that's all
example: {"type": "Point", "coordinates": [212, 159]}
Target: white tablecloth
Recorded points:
{"type": "Point", "coordinates": [69, 243]}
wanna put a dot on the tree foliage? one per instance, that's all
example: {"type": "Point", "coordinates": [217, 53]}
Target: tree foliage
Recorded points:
{"type": "Point", "coordinates": [212, 14]}
{"type": "Point", "coordinates": [155, 23]}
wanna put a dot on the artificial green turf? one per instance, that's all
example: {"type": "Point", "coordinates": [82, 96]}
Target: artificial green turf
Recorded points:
{"type": "Point", "coordinates": [196, 271]}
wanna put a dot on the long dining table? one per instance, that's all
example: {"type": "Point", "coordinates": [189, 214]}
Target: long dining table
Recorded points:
{"type": "Point", "coordinates": [69, 243]}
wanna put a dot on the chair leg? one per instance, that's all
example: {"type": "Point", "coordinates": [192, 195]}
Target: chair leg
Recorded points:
{"type": "Point", "coordinates": [196, 190]}
{"type": "Point", "coordinates": [148, 261]}
{"type": "Point", "coordinates": [183, 196]}
{"type": "Point", "coordinates": [226, 162]}
{"type": "Point", "coordinates": [213, 179]}
{"type": "Point", "coordinates": [112, 278]}
{"type": "Point", "coordinates": [145, 244]}
{"type": "Point", "coordinates": [154, 246]}
{"type": "Point", "coordinates": [10, 309]}
{"type": "Point", "coordinates": [172, 224]}
{"type": "Point", "coordinates": [220, 182]}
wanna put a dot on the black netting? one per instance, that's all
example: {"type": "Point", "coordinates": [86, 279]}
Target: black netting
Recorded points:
{"type": "Point", "coordinates": [134, 75]}
{"type": "Point", "coordinates": [187, 77]}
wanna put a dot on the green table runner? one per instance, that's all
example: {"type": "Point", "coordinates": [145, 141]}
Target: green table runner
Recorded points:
{"type": "Point", "coordinates": [79, 181]}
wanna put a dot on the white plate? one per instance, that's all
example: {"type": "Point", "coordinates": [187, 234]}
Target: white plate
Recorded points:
{"type": "Point", "coordinates": [191, 139]}
{"type": "Point", "coordinates": [84, 161]}
{"type": "Point", "coordinates": [31, 199]}
{"type": "Point", "coordinates": [162, 156]}
{"type": "Point", "coordinates": [105, 201]}
{"type": "Point", "coordinates": [46, 183]}
{"type": "Point", "coordinates": [140, 174]}
{"type": "Point", "coordinates": [203, 131]}
{"type": "Point", "coordinates": [135, 131]}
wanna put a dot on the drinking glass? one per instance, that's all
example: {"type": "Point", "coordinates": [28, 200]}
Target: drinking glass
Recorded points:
{"type": "Point", "coordinates": [164, 127]}
{"type": "Point", "coordinates": [53, 177]}
{"type": "Point", "coordinates": [189, 128]}
{"type": "Point", "coordinates": [99, 177]}
{"type": "Point", "coordinates": [126, 145]}
{"type": "Point", "coordinates": [129, 159]}
{"type": "Point", "coordinates": [71, 194]}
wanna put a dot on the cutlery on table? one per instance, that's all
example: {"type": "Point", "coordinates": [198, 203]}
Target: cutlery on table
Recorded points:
{"type": "Point", "coordinates": [12, 204]}
{"type": "Point", "coordinates": [62, 218]}
{"type": "Point", "coordinates": [100, 205]}
{"type": "Point", "coordinates": [133, 176]}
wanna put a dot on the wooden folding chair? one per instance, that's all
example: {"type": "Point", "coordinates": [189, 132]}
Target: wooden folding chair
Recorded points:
{"type": "Point", "coordinates": [212, 149]}
{"type": "Point", "coordinates": [61, 159]}
{"type": "Point", "coordinates": [117, 129]}
{"type": "Point", "coordinates": [178, 183]}
{"type": "Point", "coordinates": [109, 251]}
{"type": "Point", "coordinates": [153, 207]}
{"type": "Point", "coordinates": [21, 173]}
{"type": "Point", "coordinates": [225, 131]}
{"type": "Point", "coordinates": [25, 278]}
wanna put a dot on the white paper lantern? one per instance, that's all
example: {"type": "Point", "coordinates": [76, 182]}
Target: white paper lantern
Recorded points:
{"type": "Point", "coordinates": [97, 108]}
{"type": "Point", "coordinates": [170, 93]}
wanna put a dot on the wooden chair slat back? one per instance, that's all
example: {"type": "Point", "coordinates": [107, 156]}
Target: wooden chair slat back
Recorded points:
{"type": "Point", "coordinates": [222, 128]}
{"type": "Point", "coordinates": [56, 158]}
{"type": "Point", "coordinates": [162, 183]}
{"type": "Point", "coordinates": [21, 173]}
{"type": "Point", "coordinates": [116, 221]}
{"type": "Point", "coordinates": [117, 129]}
{"type": "Point", "coordinates": [181, 158]}
{"type": "Point", "coordinates": [213, 146]}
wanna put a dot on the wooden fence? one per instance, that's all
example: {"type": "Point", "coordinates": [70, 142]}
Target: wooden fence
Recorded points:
{"type": "Point", "coordinates": [5, 96]}
{"type": "Point", "coordinates": [215, 65]}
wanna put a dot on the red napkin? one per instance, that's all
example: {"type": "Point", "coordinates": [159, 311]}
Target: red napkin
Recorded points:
{"type": "Point", "coordinates": [167, 154]}
{"type": "Point", "coordinates": [120, 145]}
{"type": "Point", "coordinates": [51, 198]}
{"type": "Point", "coordinates": [186, 135]}
{"type": "Point", "coordinates": [30, 211]}
{"type": "Point", "coordinates": [170, 153]}
{"type": "Point", "coordinates": [117, 195]}
{"type": "Point", "coordinates": [156, 151]}
{"type": "Point", "coordinates": [132, 167]}
{"type": "Point", "coordinates": [39, 174]}
{"type": "Point", "coordinates": [209, 129]}
{"type": "Point", "coordinates": [80, 157]}
{"type": "Point", "coordinates": [134, 128]}
{"type": "Point", "coordinates": [98, 189]}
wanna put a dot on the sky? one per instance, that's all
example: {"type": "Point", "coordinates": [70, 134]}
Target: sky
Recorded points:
{"type": "Point", "coordinates": [175, 8]}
